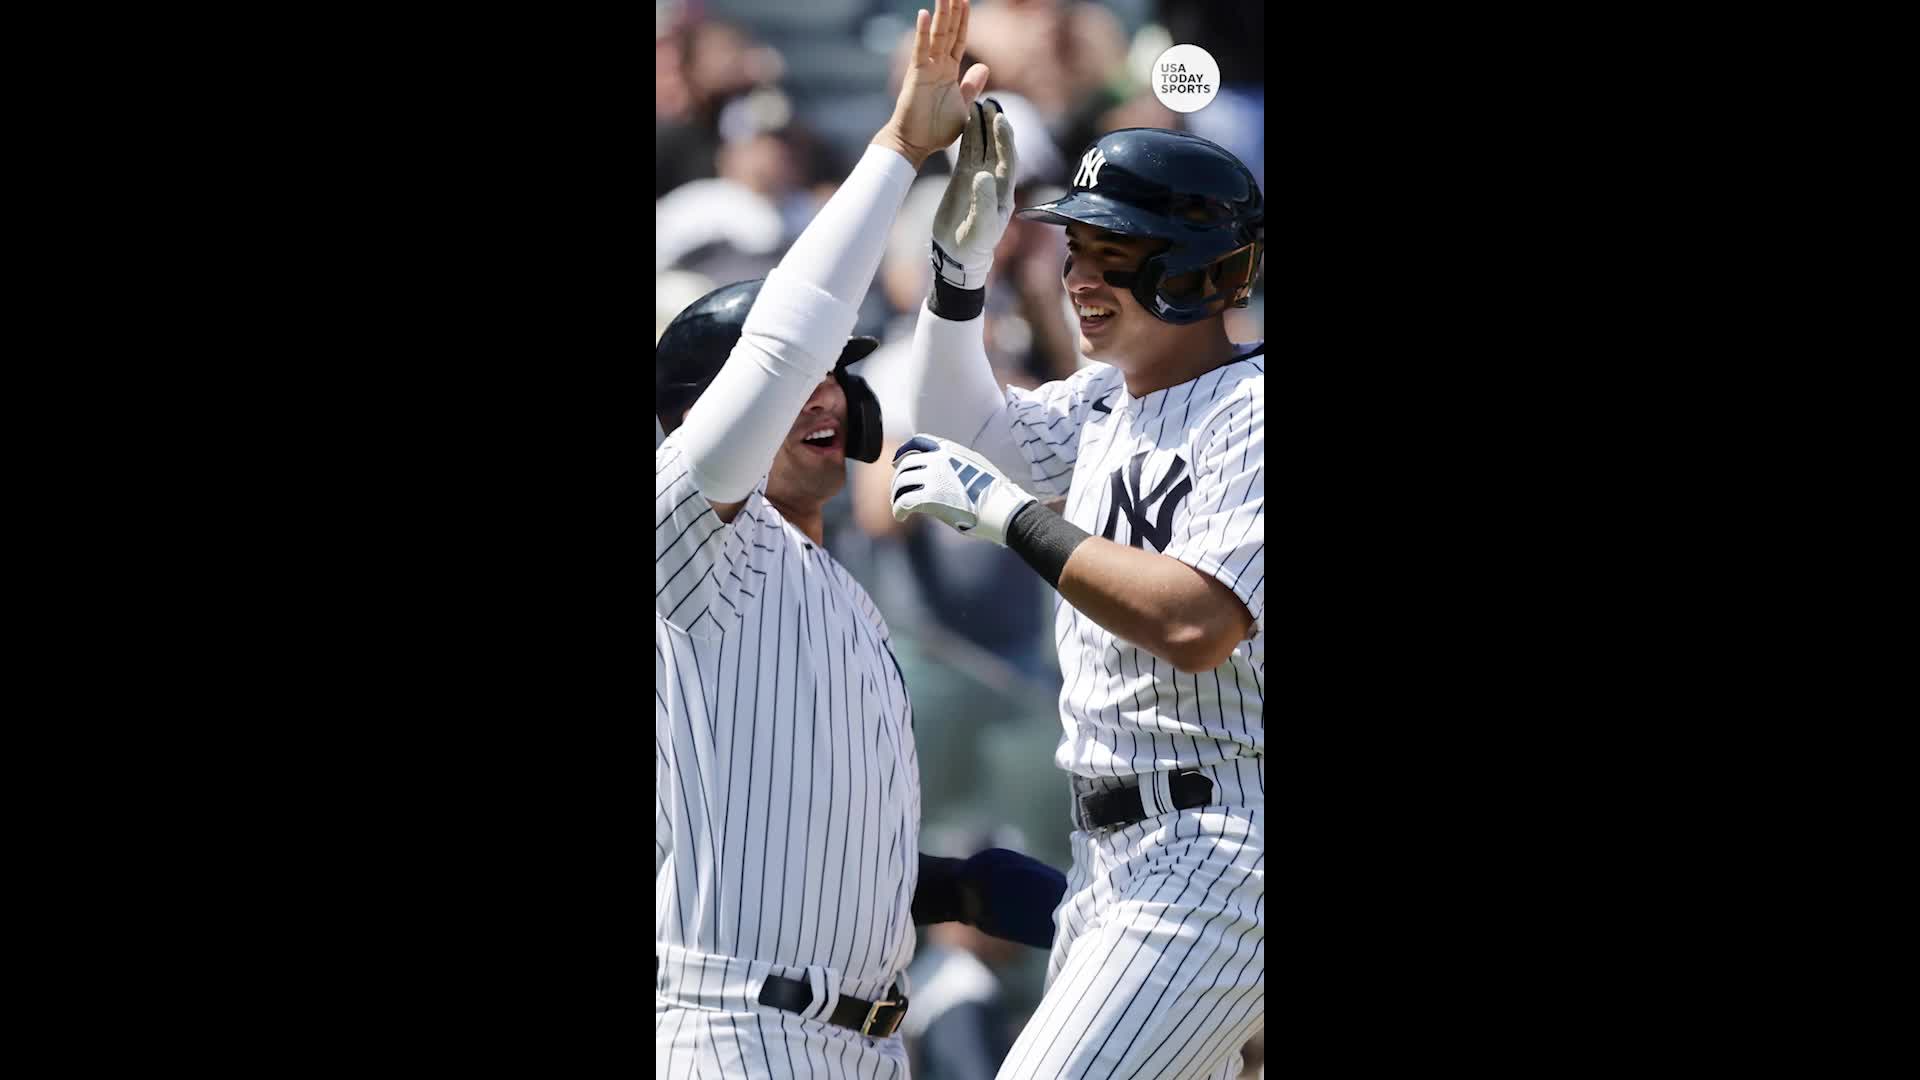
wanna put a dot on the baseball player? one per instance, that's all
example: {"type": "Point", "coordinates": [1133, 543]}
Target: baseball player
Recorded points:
{"type": "Point", "coordinates": [787, 807]}
{"type": "Point", "coordinates": [1158, 557]}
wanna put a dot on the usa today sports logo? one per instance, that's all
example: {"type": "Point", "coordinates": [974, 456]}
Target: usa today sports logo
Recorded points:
{"type": "Point", "coordinates": [1185, 78]}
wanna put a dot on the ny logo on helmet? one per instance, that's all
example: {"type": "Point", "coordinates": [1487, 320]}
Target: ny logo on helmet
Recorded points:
{"type": "Point", "coordinates": [1089, 173]}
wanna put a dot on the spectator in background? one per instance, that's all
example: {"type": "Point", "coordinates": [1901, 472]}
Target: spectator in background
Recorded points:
{"type": "Point", "coordinates": [1040, 158]}
{"type": "Point", "coordinates": [1071, 60]}
{"type": "Point", "coordinates": [700, 66]}
{"type": "Point", "coordinates": [1056, 54]}
{"type": "Point", "coordinates": [1036, 309]}
{"type": "Point", "coordinates": [735, 226]}
{"type": "Point", "coordinates": [1233, 33]}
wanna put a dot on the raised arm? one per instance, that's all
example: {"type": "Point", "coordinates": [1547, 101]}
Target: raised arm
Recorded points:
{"type": "Point", "coordinates": [952, 389]}
{"type": "Point", "coordinates": [806, 310]}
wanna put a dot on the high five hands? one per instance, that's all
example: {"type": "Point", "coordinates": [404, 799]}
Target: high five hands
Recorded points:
{"type": "Point", "coordinates": [935, 99]}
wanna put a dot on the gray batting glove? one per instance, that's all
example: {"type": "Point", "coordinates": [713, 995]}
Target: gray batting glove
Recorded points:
{"type": "Point", "coordinates": [947, 481]}
{"type": "Point", "coordinates": [978, 202]}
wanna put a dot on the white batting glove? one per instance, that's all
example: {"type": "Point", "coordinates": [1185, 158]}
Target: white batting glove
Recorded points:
{"type": "Point", "coordinates": [978, 202]}
{"type": "Point", "coordinates": [947, 481]}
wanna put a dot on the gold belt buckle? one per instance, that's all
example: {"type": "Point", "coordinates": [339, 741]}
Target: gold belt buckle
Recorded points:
{"type": "Point", "coordinates": [867, 1027]}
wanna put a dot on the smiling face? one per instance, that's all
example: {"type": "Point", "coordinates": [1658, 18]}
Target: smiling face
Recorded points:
{"type": "Point", "coordinates": [1114, 328]}
{"type": "Point", "coordinates": [810, 467]}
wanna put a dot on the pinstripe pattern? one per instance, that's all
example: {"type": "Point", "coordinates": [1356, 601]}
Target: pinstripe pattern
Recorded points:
{"type": "Point", "coordinates": [1124, 710]}
{"type": "Point", "coordinates": [1157, 968]}
{"type": "Point", "coordinates": [767, 1044]}
{"type": "Point", "coordinates": [787, 799]}
{"type": "Point", "coordinates": [1160, 947]}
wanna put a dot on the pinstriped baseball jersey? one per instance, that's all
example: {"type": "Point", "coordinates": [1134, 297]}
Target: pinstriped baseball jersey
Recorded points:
{"type": "Point", "coordinates": [1160, 943]}
{"type": "Point", "coordinates": [1160, 953]}
{"type": "Point", "coordinates": [1181, 472]}
{"type": "Point", "coordinates": [787, 810]}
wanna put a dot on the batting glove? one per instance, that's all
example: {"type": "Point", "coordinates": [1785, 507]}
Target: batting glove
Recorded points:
{"type": "Point", "coordinates": [979, 199]}
{"type": "Point", "coordinates": [947, 481]}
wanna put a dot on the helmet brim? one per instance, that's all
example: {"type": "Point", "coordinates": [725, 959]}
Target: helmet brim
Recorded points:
{"type": "Point", "coordinates": [1101, 212]}
{"type": "Point", "coordinates": [1192, 245]}
{"type": "Point", "coordinates": [857, 350]}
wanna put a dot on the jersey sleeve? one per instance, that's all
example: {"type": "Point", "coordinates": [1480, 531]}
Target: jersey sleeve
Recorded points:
{"type": "Point", "coordinates": [1224, 534]}
{"type": "Point", "coordinates": [1044, 424]}
{"type": "Point", "coordinates": [699, 561]}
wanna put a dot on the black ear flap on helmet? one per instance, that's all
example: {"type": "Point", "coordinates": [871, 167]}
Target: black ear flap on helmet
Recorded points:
{"type": "Point", "coordinates": [863, 417]}
{"type": "Point", "coordinates": [696, 344]}
{"type": "Point", "coordinates": [863, 407]}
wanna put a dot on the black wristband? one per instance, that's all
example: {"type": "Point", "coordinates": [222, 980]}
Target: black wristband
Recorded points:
{"type": "Point", "coordinates": [1044, 539]}
{"type": "Point", "coordinates": [937, 890]}
{"type": "Point", "coordinates": [953, 303]}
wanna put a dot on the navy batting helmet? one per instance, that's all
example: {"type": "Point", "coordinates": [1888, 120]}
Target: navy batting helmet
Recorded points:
{"type": "Point", "coordinates": [697, 342]}
{"type": "Point", "coordinates": [1180, 189]}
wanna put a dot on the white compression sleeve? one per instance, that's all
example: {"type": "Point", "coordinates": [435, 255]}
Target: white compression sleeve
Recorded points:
{"type": "Point", "coordinates": [795, 333]}
{"type": "Point", "coordinates": [955, 395]}
{"type": "Point", "coordinates": [841, 248]}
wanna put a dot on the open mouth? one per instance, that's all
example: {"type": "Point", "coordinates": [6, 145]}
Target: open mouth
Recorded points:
{"type": "Point", "coordinates": [1093, 316]}
{"type": "Point", "coordinates": [824, 439]}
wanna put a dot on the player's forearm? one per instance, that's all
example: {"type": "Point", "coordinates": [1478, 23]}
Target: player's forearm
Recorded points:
{"type": "Point", "coordinates": [799, 324]}
{"type": "Point", "coordinates": [950, 382]}
{"type": "Point", "coordinates": [789, 343]}
{"type": "Point", "coordinates": [951, 386]}
{"type": "Point", "coordinates": [840, 249]}
{"type": "Point", "coordinates": [1158, 603]}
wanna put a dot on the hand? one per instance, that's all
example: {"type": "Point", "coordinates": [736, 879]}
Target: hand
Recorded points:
{"type": "Point", "coordinates": [1012, 896]}
{"type": "Point", "coordinates": [1001, 893]}
{"type": "Point", "coordinates": [974, 212]}
{"type": "Point", "coordinates": [951, 483]}
{"type": "Point", "coordinates": [933, 104]}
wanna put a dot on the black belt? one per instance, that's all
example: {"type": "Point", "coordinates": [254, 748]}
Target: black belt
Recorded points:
{"type": "Point", "coordinates": [876, 1018]}
{"type": "Point", "coordinates": [1123, 806]}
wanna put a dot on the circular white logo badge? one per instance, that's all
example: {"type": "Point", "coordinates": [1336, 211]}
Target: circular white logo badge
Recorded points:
{"type": "Point", "coordinates": [1185, 78]}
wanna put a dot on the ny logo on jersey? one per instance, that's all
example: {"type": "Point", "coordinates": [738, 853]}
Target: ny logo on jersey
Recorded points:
{"type": "Point", "coordinates": [1089, 173]}
{"type": "Point", "coordinates": [1127, 499]}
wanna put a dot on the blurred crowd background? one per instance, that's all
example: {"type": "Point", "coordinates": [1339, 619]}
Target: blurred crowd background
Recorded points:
{"type": "Point", "coordinates": [761, 108]}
